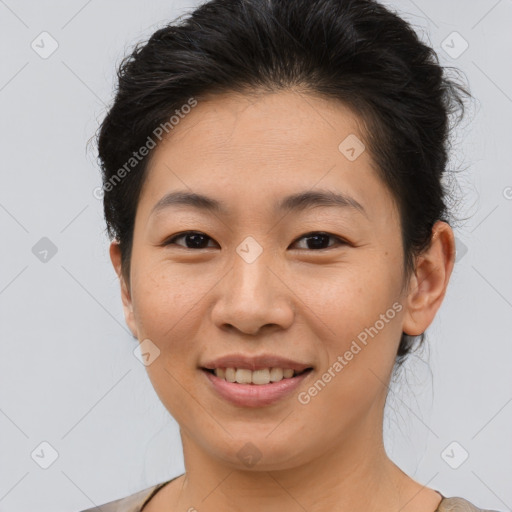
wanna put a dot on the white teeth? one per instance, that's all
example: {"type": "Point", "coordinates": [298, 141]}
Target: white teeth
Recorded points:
{"type": "Point", "coordinates": [261, 376]}
{"type": "Point", "coordinates": [276, 374]}
{"type": "Point", "coordinates": [245, 376]}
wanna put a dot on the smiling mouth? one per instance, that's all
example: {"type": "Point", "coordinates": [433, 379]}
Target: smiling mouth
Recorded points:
{"type": "Point", "coordinates": [256, 377]}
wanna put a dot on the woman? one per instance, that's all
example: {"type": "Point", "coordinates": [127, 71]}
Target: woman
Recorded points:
{"type": "Point", "coordinates": [272, 189]}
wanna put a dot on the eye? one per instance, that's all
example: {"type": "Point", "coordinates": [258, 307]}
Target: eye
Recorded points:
{"type": "Point", "coordinates": [193, 240]}
{"type": "Point", "coordinates": [197, 240]}
{"type": "Point", "coordinates": [318, 240]}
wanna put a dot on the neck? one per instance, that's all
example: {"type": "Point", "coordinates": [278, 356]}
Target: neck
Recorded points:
{"type": "Point", "coordinates": [355, 475]}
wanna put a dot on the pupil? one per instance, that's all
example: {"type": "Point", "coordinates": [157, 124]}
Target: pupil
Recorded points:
{"type": "Point", "coordinates": [318, 244]}
{"type": "Point", "coordinates": [197, 242]}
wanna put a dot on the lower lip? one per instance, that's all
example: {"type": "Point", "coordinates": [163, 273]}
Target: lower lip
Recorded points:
{"type": "Point", "coordinates": [255, 395]}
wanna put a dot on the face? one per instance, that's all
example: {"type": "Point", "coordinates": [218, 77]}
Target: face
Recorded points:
{"type": "Point", "coordinates": [318, 282]}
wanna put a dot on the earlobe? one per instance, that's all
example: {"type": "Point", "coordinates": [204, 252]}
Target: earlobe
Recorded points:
{"type": "Point", "coordinates": [430, 280]}
{"type": "Point", "coordinates": [115, 257]}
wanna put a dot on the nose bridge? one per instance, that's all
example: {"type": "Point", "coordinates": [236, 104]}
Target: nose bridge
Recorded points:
{"type": "Point", "coordinates": [251, 295]}
{"type": "Point", "coordinates": [251, 287]}
{"type": "Point", "coordinates": [250, 275]}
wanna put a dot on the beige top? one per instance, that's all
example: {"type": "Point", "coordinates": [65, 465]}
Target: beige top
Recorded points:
{"type": "Point", "coordinates": [136, 502]}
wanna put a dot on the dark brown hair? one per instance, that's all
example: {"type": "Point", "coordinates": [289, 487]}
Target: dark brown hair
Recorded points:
{"type": "Point", "coordinates": [354, 51]}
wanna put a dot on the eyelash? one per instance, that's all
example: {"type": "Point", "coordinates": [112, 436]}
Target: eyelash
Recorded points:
{"type": "Point", "coordinates": [171, 241]}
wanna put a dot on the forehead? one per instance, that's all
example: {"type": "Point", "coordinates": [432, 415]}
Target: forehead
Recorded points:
{"type": "Point", "coordinates": [244, 148]}
{"type": "Point", "coordinates": [286, 121]}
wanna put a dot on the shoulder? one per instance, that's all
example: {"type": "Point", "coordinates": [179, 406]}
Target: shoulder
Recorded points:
{"type": "Point", "coordinates": [457, 504]}
{"type": "Point", "coordinates": [131, 503]}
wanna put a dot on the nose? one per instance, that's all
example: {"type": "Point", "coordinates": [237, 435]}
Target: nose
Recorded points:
{"type": "Point", "coordinates": [253, 297]}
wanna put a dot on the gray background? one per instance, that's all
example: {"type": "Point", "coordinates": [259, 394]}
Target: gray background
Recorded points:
{"type": "Point", "coordinates": [68, 374]}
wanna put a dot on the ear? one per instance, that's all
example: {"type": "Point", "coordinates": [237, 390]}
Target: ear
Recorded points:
{"type": "Point", "coordinates": [428, 284]}
{"type": "Point", "coordinates": [115, 257]}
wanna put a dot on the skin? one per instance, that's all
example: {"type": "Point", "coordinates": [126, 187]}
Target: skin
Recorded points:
{"type": "Point", "coordinates": [294, 300]}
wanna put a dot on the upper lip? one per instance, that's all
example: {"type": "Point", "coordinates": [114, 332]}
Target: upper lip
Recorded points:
{"type": "Point", "coordinates": [253, 363]}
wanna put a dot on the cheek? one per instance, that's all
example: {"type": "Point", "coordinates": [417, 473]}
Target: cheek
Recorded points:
{"type": "Point", "coordinates": [163, 296]}
{"type": "Point", "coordinates": [361, 310]}
{"type": "Point", "coordinates": [167, 310]}
{"type": "Point", "coordinates": [348, 299]}
{"type": "Point", "coordinates": [358, 357]}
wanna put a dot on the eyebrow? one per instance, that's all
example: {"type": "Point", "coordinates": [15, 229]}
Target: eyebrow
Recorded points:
{"type": "Point", "coordinates": [295, 202]}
